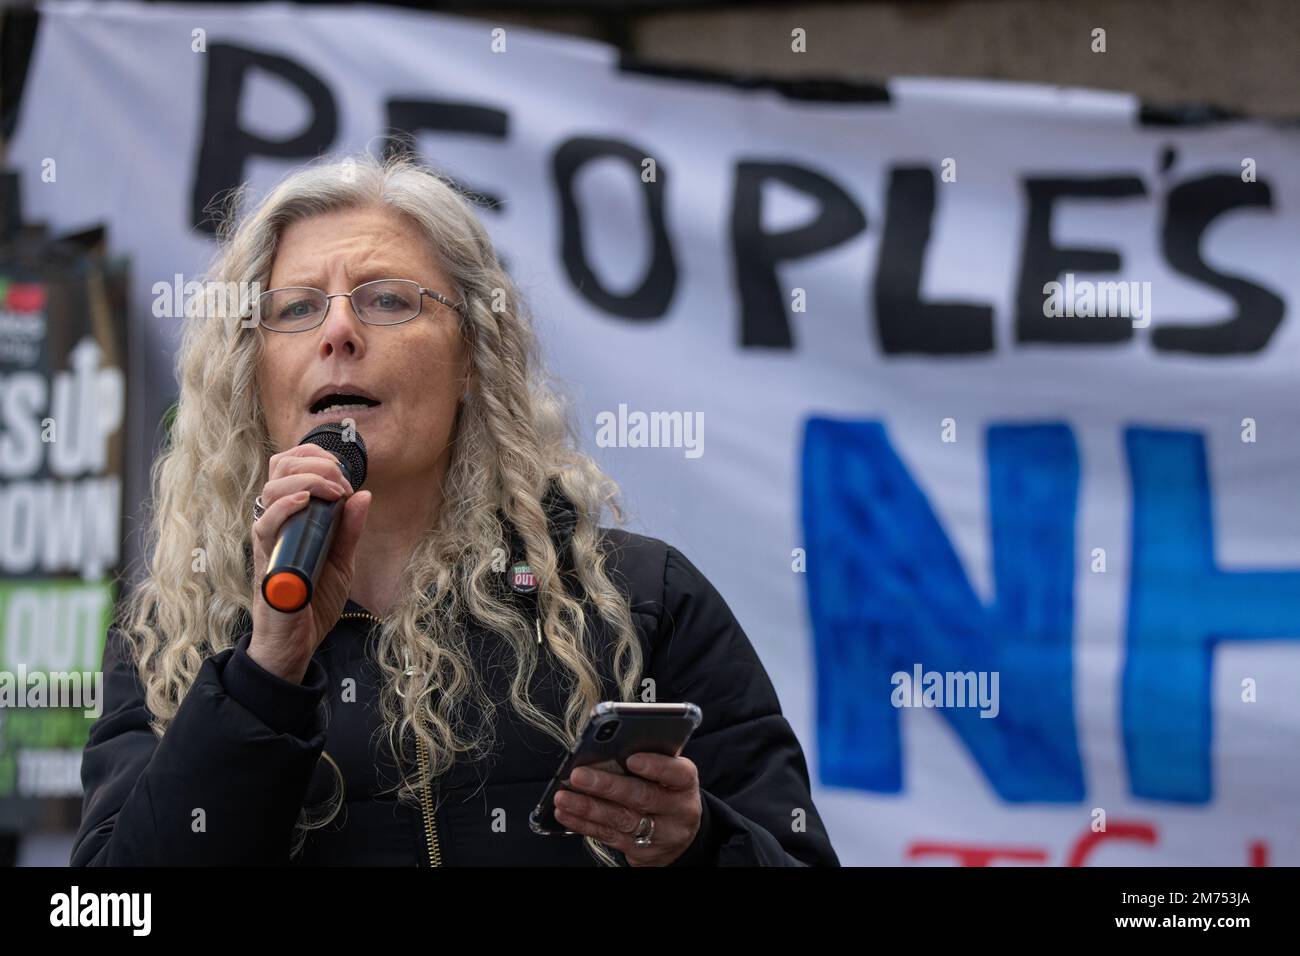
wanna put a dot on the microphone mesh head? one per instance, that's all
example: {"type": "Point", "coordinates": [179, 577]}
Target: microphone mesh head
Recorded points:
{"type": "Point", "coordinates": [344, 444]}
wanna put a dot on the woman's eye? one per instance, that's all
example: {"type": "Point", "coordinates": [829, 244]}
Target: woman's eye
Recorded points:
{"type": "Point", "coordinates": [296, 310]}
{"type": "Point", "coordinates": [387, 300]}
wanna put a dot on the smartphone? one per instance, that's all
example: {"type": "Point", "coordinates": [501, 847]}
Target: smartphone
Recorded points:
{"type": "Point", "coordinates": [615, 731]}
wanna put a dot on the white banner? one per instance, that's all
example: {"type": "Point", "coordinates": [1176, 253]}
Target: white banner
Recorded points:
{"type": "Point", "coordinates": [983, 395]}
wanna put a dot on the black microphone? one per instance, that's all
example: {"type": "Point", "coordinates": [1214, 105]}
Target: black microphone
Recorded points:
{"type": "Point", "coordinates": [306, 535]}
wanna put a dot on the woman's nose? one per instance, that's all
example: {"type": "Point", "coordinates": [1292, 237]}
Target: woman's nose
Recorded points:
{"type": "Point", "coordinates": [342, 331]}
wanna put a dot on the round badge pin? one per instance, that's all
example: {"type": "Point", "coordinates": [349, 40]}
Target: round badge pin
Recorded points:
{"type": "Point", "coordinates": [522, 579]}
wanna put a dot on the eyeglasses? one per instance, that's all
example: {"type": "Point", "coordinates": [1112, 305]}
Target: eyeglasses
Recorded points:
{"type": "Point", "coordinates": [382, 302]}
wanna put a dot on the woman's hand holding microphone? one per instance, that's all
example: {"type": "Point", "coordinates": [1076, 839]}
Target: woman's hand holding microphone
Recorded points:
{"type": "Point", "coordinates": [284, 643]}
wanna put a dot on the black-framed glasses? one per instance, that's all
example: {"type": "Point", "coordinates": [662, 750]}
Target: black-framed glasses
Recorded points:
{"type": "Point", "coordinates": [381, 302]}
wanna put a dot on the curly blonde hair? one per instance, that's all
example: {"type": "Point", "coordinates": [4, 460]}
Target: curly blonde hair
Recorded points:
{"type": "Point", "coordinates": [513, 439]}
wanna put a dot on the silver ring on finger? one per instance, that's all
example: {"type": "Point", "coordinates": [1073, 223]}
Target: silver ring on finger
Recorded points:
{"type": "Point", "coordinates": [645, 831]}
{"type": "Point", "coordinates": [259, 509]}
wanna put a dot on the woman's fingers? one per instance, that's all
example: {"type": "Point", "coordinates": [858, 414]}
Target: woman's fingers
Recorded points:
{"type": "Point", "coordinates": [354, 522]}
{"type": "Point", "coordinates": [615, 827]}
{"type": "Point", "coordinates": [267, 527]}
{"type": "Point", "coordinates": [307, 459]}
{"type": "Point", "coordinates": [324, 464]}
{"type": "Point", "coordinates": [600, 812]}
{"type": "Point", "coordinates": [625, 789]}
{"type": "Point", "coordinates": [301, 451]}
{"type": "Point", "coordinates": [609, 806]}
{"type": "Point", "coordinates": [675, 773]}
{"type": "Point", "coordinates": [606, 835]}
{"type": "Point", "coordinates": [311, 482]}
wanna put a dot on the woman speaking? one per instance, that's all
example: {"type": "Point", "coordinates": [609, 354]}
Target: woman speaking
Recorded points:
{"type": "Point", "coordinates": [471, 609]}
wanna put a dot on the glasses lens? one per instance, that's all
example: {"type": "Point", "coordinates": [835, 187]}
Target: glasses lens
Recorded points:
{"type": "Point", "coordinates": [291, 310]}
{"type": "Point", "coordinates": [387, 301]}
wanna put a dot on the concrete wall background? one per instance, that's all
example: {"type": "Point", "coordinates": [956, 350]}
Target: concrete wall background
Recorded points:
{"type": "Point", "coordinates": [1242, 55]}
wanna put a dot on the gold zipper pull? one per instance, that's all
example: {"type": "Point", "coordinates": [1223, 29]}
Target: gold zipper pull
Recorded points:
{"type": "Point", "coordinates": [538, 621]}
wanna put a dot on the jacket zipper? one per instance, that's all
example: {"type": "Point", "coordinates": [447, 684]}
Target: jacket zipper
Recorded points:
{"type": "Point", "coordinates": [426, 797]}
{"type": "Point", "coordinates": [426, 809]}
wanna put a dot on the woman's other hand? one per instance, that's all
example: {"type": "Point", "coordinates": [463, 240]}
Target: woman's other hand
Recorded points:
{"type": "Point", "coordinates": [609, 806]}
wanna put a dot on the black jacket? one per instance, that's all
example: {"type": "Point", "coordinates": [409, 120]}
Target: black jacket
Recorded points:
{"type": "Point", "coordinates": [243, 754]}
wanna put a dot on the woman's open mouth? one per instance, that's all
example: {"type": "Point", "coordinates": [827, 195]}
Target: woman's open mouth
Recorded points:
{"type": "Point", "coordinates": [336, 404]}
